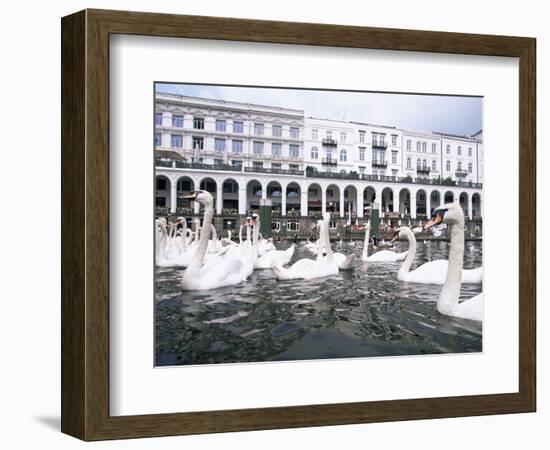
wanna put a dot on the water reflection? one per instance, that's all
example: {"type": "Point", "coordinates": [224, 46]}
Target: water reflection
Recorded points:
{"type": "Point", "coordinates": [363, 312]}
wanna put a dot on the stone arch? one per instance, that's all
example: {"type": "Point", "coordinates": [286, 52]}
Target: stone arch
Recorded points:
{"type": "Point", "coordinates": [405, 201]}
{"type": "Point", "coordinates": [163, 185]}
{"type": "Point", "coordinates": [230, 196]}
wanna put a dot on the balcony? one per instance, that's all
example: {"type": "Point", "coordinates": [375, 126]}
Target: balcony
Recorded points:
{"type": "Point", "coordinates": [336, 175]}
{"type": "Point", "coordinates": [461, 173]}
{"type": "Point", "coordinates": [329, 162]}
{"type": "Point", "coordinates": [194, 165]}
{"type": "Point", "coordinates": [422, 170]}
{"type": "Point", "coordinates": [275, 171]}
{"type": "Point", "coordinates": [329, 142]}
{"type": "Point", "coordinates": [379, 145]}
{"type": "Point", "coordinates": [379, 164]}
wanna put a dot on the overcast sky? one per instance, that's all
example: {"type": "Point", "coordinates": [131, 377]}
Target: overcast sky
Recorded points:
{"type": "Point", "coordinates": [455, 115]}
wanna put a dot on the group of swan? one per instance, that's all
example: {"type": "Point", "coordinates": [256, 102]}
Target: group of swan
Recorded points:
{"type": "Point", "coordinates": [213, 263]}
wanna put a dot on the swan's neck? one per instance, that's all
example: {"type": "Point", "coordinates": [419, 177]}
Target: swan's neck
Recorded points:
{"type": "Point", "coordinates": [214, 233]}
{"type": "Point", "coordinates": [327, 242]}
{"type": "Point", "coordinates": [240, 235]}
{"type": "Point", "coordinates": [450, 293]}
{"type": "Point", "coordinates": [406, 266]}
{"type": "Point", "coordinates": [198, 257]}
{"type": "Point", "coordinates": [184, 233]}
{"type": "Point", "coordinates": [255, 233]}
{"type": "Point", "coordinates": [161, 241]}
{"type": "Point", "coordinates": [366, 244]}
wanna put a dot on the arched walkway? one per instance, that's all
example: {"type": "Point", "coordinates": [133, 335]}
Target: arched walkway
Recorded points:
{"type": "Point", "coordinates": [162, 194]}
{"type": "Point", "coordinates": [230, 196]}
{"type": "Point", "coordinates": [293, 199]}
{"type": "Point", "coordinates": [405, 202]}
{"type": "Point", "coordinates": [314, 199]}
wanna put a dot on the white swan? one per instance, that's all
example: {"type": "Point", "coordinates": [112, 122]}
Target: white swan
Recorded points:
{"type": "Point", "coordinates": [221, 271]}
{"type": "Point", "coordinates": [269, 258]}
{"type": "Point", "coordinates": [342, 261]}
{"type": "Point", "coordinates": [308, 268]}
{"type": "Point", "coordinates": [433, 272]}
{"type": "Point", "coordinates": [448, 301]}
{"type": "Point", "coordinates": [381, 255]}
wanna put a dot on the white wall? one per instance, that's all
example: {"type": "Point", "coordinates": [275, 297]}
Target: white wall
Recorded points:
{"type": "Point", "coordinates": [30, 314]}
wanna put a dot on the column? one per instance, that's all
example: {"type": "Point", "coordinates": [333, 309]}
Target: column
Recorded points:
{"type": "Point", "coordinates": [264, 192]}
{"type": "Point", "coordinates": [342, 212]}
{"type": "Point", "coordinates": [428, 204]}
{"type": "Point", "coordinates": [379, 201]}
{"type": "Point", "coordinates": [242, 200]}
{"type": "Point", "coordinates": [303, 201]}
{"type": "Point", "coordinates": [413, 205]}
{"type": "Point", "coordinates": [323, 200]}
{"type": "Point", "coordinates": [173, 196]}
{"type": "Point", "coordinates": [470, 207]}
{"type": "Point", "coordinates": [360, 203]}
{"type": "Point", "coordinates": [283, 201]}
{"type": "Point", "coordinates": [219, 197]}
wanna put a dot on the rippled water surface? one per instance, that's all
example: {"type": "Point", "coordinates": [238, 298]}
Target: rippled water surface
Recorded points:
{"type": "Point", "coordinates": [363, 312]}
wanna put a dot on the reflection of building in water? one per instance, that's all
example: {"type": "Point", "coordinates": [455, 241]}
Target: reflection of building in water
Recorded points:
{"type": "Point", "coordinates": [247, 155]}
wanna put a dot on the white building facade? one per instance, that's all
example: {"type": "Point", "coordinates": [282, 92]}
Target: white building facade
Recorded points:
{"type": "Point", "coordinates": [247, 154]}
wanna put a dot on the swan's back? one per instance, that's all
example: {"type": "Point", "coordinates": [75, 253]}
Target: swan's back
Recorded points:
{"type": "Point", "coordinates": [471, 308]}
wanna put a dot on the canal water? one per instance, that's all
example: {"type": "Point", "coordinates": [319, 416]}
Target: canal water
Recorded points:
{"type": "Point", "coordinates": [361, 313]}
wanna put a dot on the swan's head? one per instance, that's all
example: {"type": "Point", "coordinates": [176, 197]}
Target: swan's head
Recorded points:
{"type": "Point", "coordinates": [450, 213]}
{"type": "Point", "coordinates": [200, 196]}
{"type": "Point", "coordinates": [317, 225]}
{"type": "Point", "coordinates": [255, 219]}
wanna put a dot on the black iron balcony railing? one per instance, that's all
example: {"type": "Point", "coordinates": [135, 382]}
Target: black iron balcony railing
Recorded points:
{"type": "Point", "coordinates": [380, 164]}
{"type": "Point", "coordinates": [423, 170]}
{"type": "Point", "coordinates": [380, 145]}
{"type": "Point", "coordinates": [274, 170]}
{"type": "Point", "coordinates": [329, 142]}
{"type": "Point", "coordinates": [329, 162]}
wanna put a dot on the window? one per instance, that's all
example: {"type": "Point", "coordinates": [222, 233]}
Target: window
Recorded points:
{"type": "Point", "coordinates": [394, 157]}
{"type": "Point", "coordinates": [277, 130]}
{"type": "Point", "coordinates": [158, 118]}
{"type": "Point", "coordinates": [294, 151]}
{"type": "Point", "coordinates": [343, 138]}
{"type": "Point", "coordinates": [258, 148]}
{"type": "Point", "coordinates": [394, 140]}
{"type": "Point", "coordinates": [459, 151]}
{"type": "Point", "coordinates": [314, 153]}
{"type": "Point", "coordinates": [361, 153]}
{"type": "Point", "coordinates": [198, 143]}
{"type": "Point", "coordinates": [219, 145]}
{"type": "Point", "coordinates": [418, 146]}
{"type": "Point", "coordinates": [293, 225]}
{"type": "Point", "coordinates": [343, 155]}
{"type": "Point", "coordinates": [459, 166]}
{"type": "Point", "coordinates": [161, 184]}
{"type": "Point", "coordinates": [198, 123]}
{"type": "Point", "coordinates": [409, 165]}
{"type": "Point", "coordinates": [362, 169]}
{"type": "Point", "coordinates": [177, 121]}
{"type": "Point", "coordinates": [448, 149]}
{"type": "Point", "coordinates": [469, 167]}
{"type": "Point", "coordinates": [448, 166]}
{"type": "Point", "coordinates": [418, 163]}
{"type": "Point", "coordinates": [158, 139]}
{"type": "Point", "coordinates": [218, 162]}
{"type": "Point", "coordinates": [293, 167]}
{"type": "Point", "coordinates": [469, 151]}
{"type": "Point", "coordinates": [237, 146]}
{"type": "Point", "coordinates": [329, 154]}
{"type": "Point", "coordinates": [236, 163]}
{"type": "Point", "coordinates": [220, 125]}
{"type": "Point", "coordinates": [238, 127]}
{"type": "Point", "coordinates": [176, 140]}
{"type": "Point", "coordinates": [361, 136]}
{"type": "Point", "coordinates": [374, 155]}
{"type": "Point", "coordinates": [258, 165]}
{"type": "Point", "coordinates": [394, 172]}
{"type": "Point", "coordinates": [259, 129]}
{"type": "Point", "coordinates": [434, 147]}
{"type": "Point", "coordinates": [294, 133]}
{"type": "Point", "coordinates": [424, 164]}
{"type": "Point", "coordinates": [314, 135]}
{"type": "Point", "coordinates": [276, 149]}
{"type": "Point", "coordinates": [424, 147]}
{"type": "Point", "coordinates": [276, 166]}
{"type": "Point", "coordinates": [329, 134]}
{"type": "Point", "coordinates": [332, 225]}
{"type": "Point", "coordinates": [434, 164]}
{"type": "Point", "coordinates": [409, 144]}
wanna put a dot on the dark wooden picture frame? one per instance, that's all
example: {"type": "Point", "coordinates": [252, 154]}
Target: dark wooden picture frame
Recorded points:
{"type": "Point", "coordinates": [85, 224]}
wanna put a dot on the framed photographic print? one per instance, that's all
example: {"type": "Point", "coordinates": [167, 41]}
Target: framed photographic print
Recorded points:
{"type": "Point", "coordinates": [270, 224]}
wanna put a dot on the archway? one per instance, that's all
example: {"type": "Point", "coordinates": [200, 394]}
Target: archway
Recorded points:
{"type": "Point", "coordinates": [230, 197]}
{"type": "Point", "coordinates": [476, 206]}
{"type": "Point", "coordinates": [350, 202]}
{"type": "Point", "coordinates": [253, 195]}
{"type": "Point", "coordinates": [387, 200]}
{"type": "Point", "coordinates": [463, 201]}
{"type": "Point", "coordinates": [275, 194]}
{"type": "Point", "coordinates": [449, 197]}
{"type": "Point", "coordinates": [421, 203]}
{"type": "Point", "coordinates": [435, 201]}
{"type": "Point", "coordinates": [185, 185]}
{"type": "Point", "coordinates": [293, 199]}
{"type": "Point", "coordinates": [314, 199]}
{"type": "Point", "coordinates": [405, 202]}
{"type": "Point", "coordinates": [333, 200]}
{"type": "Point", "coordinates": [162, 194]}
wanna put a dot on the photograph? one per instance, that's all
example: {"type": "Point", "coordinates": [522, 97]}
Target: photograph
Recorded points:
{"type": "Point", "coordinates": [304, 224]}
